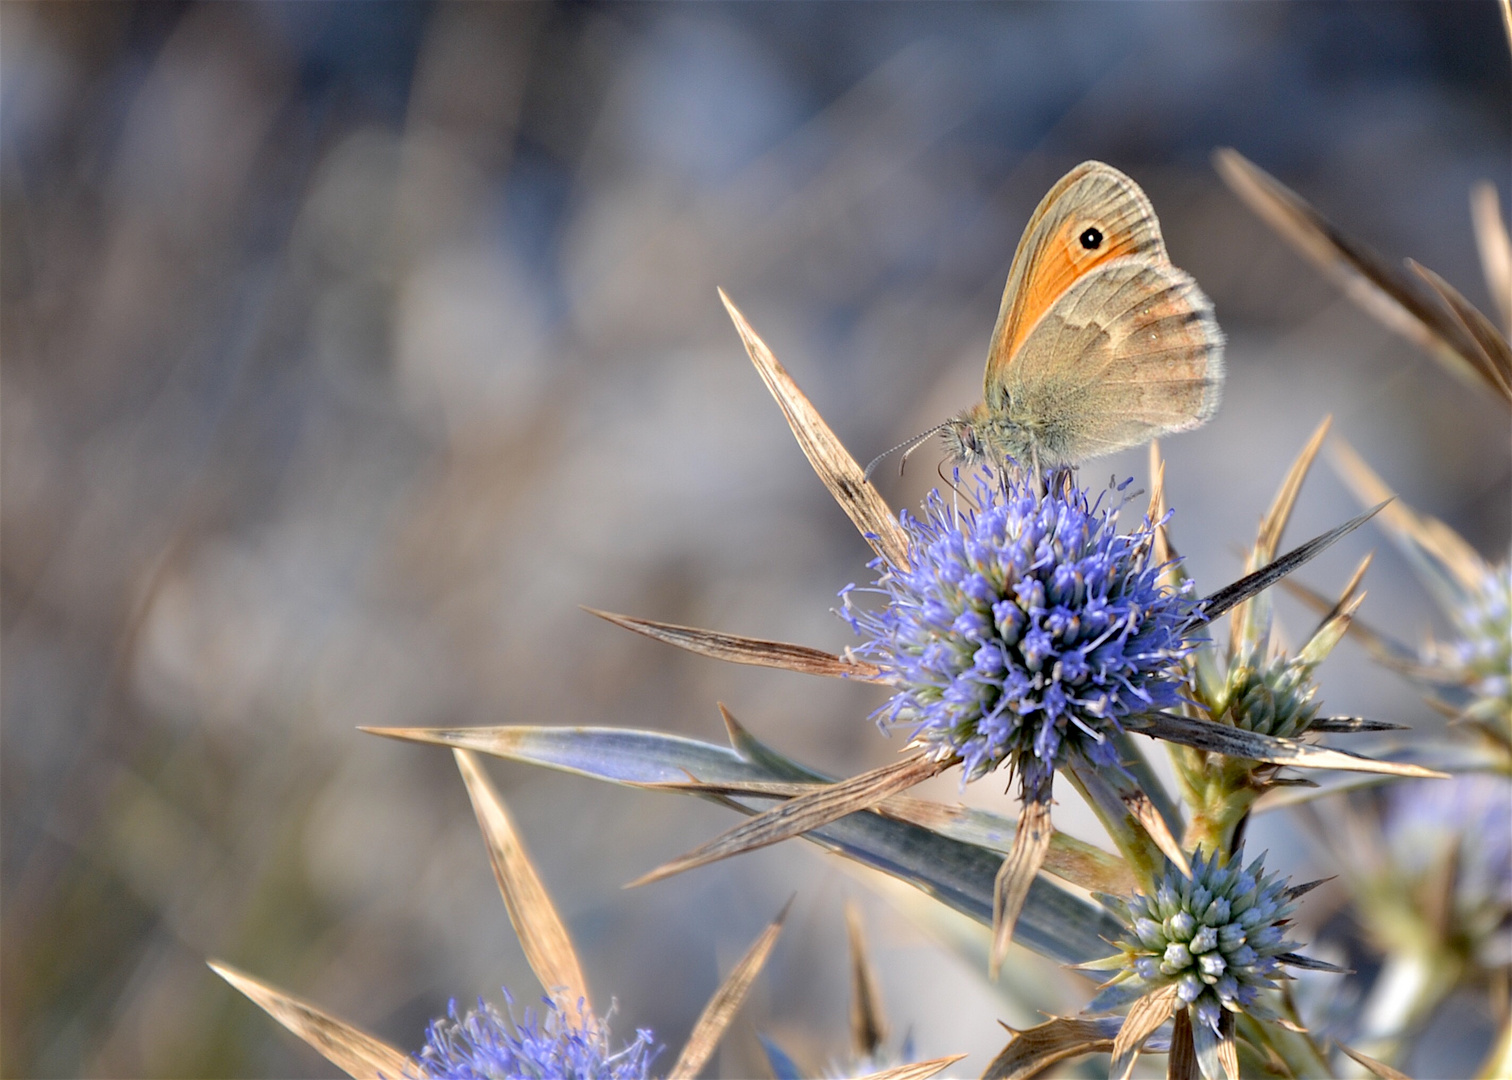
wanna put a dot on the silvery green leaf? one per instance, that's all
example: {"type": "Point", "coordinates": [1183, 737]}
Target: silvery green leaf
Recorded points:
{"type": "Point", "coordinates": [1054, 923]}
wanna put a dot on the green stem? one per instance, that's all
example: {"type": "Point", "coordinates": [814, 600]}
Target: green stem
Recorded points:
{"type": "Point", "coordinates": [1144, 858]}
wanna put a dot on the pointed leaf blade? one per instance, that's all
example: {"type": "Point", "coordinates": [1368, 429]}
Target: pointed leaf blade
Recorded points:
{"type": "Point", "coordinates": [1494, 244]}
{"type": "Point", "coordinates": [1388, 294]}
{"type": "Point", "coordinates": [836, 468]}
{"type": "Point", "coordinates": [1031, 1051]}
{"type": "Point", "coordinates": [1377, 1068]}
{"type": "Point", "coordinates": [744, 650]}
{"type": "Point", "coordinates": [804, 813]}
{"type": "Point", "coordinates": [1144, 1019]}
{"type": "Point", "coordinates": [726, 1001]}
{"type": "Point", "coordinates": [1031, 841]}
{"type": "Point", "coordinates": [543, 935]}
{"type": "Point", "coordinates": [1238, 743]}
{"type": "Point", "coordinates": [1221, 601]}
{"type": "Point", "coordinates": [959, 874]}
{"type": "Point", "coordinates": [868, 1020]}
{"type": "Point", "coordinates": [1492, 358]}
{"type": "Point", "coordinates": [350, 1049]}
{"type": "Point", "coordinates": [919, 1070]}
{"type": "Point", "coordinates": [1449, 567]}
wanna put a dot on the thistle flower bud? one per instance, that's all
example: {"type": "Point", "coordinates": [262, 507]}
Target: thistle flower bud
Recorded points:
{"type": "Point", "coordinates": [1216, 962]}
{"type": "Point", "coordinates": [1277, 698]}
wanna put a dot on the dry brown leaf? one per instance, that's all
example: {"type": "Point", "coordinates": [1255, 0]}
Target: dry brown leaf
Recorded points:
{"type": "Point", "coordinates": [836, 468]}
{"type": "Point", "coordinates": [918, 1070]}
{"type": "Point", "coordinates": [1274, 522]}
{"type": "Point", "coordinates": [1377, 1068]}
{"type": "Point", "coordinates": [1069, 859]}
{"type": "Point", "coordinates": [1238, 743]}
{"type": "Point", "coordinates": [1031, 841]}
{"type": "Point", "coordinates": [1346, 597]}
{"type": "Point", "coordinates": [1181, 1064]}
{"type": "Point", "coordinates": [543, 936]}
{"type": "Point", "coordinates": [1391, 296]}
{"type": "Point", "coordinates": [1493, 359]}
{"type": "Point", "coordinates": [805, 813]}
{"type": "Point", "coordinates": [1228, 1046]}
{"type": "Point", "coordinates": [725, 1003]}
{"type": "Point", "coordinates": [1143, 811]}
{"type": "Point", "coordinates": [350, 1049]}
{"type": "Point", "coordinates": [868, 1020]}
{"type": "Point", "coordinates": [1144, 1019]}
{"type": "Point", "coordinates": [1495, 248]}
{"type": "Point", "coordinates": [1031, 1051]}
{"type": "Point", "coordinates": [744, 650]}
{"type": "Point", "coordinates": [1446, 545]}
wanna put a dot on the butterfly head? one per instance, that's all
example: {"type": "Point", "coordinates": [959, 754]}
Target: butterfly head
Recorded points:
{"type": "Point", "coordinates": [964, 436]}
{"type": "Point", "coordinates": [981, 435]}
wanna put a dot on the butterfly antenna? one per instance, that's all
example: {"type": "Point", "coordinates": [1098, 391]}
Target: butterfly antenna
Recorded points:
{"type": "Point", "coordinates": [920, 441]}
{"type": "Point", "coordinates": [908, 446]}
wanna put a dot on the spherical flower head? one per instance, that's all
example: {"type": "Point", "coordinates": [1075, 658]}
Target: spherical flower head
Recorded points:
{"type": "Point", "coordinates": [1470, 816]}
{"type": "Point", "coordinates": [1482, 657]}
{"type": "Point", "coordinates": [486, 1044]}
{"type": "Point", "coordinates": [1219, 935]}
{"type": "Point", "coordinates": [1023, 628]}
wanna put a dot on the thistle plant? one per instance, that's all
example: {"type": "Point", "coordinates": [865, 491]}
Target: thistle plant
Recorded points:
{"type": "Point", "coordinates": [1025, 631]}
{"type": "Point", "coordinates": [1428, 863]}
{"type": "Point", "coordinates": [1467, 677]}
{"type": "Point", "coordinates": [566, 1040]}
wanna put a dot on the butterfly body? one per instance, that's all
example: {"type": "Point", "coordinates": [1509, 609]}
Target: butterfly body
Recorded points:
{"type": "Point", "coordinates": [1100, 343]}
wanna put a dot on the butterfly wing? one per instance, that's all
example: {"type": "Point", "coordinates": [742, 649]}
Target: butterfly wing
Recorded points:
{"type": "Point", "coordinates": [1051, 255]}
{"type": "Point", "coordinates": [1128, 352]}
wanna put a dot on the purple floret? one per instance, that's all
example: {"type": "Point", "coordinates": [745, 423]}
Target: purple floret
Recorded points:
{"type": "Point", "coordinates": [1023, 629]}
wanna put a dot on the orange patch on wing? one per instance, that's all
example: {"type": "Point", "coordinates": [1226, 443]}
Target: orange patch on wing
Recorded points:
{"type": "Point", "coordinates": [1052, 270]}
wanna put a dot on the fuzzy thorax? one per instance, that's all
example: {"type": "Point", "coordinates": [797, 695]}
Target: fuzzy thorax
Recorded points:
{"type": "Point", "coordinates": [993, 437]}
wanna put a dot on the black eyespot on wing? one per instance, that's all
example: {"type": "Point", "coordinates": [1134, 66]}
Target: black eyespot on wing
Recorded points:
{"type": "Point", "coordinates": [1091, 238]}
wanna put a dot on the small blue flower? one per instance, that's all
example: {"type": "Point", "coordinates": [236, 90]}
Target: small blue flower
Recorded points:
{"type": "Point", "coordinates": [1219, 936]}
{"type": "Point", "coordinates": [1471, 816]}
{"type": "Point", "coordinates": [1023, 629]}
{"type": "Point", "coordinates": [489, 1045]}
{"type": "Point", "coordinates": [1481, 659]}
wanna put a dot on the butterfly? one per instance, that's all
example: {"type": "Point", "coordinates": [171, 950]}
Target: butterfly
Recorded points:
{"type": "Point", "coordinates": [1100, 343]}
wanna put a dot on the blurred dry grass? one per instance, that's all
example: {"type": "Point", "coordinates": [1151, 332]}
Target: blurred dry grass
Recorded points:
{"type": "Point", "coordinates": [349, 348]}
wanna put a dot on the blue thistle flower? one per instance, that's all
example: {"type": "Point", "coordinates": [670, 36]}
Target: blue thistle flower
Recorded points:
{"type": "Point", "coordinates": [486, 1044]}
{"type": "Point", "coordinates": [1471, 817]}
{"type": "Point", "coordinates": [1481, 660]}
{"type": "Point", "coordinates": [1219, 936]}
{"type": "Point", "coordinates": [1024, 628]}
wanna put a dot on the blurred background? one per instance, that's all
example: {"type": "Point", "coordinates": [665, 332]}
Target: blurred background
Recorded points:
{"type": "Point", "coordinates": [349, 348]}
